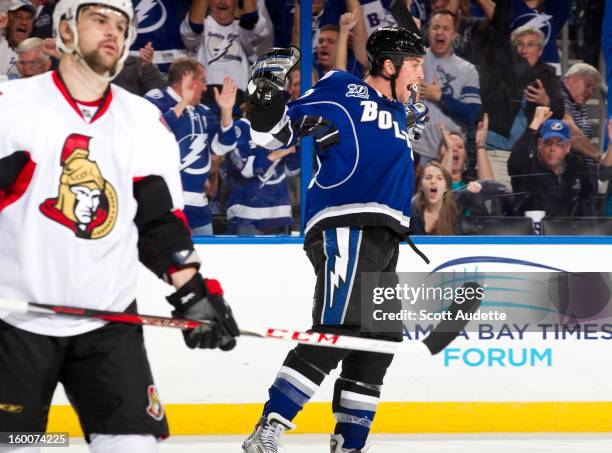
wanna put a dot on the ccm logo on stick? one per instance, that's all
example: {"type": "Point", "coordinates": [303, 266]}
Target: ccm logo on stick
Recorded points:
{"type": "Point", "coordinates": [305, 337]}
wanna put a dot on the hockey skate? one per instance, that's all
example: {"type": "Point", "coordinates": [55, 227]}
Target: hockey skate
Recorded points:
{"type": "Point", "coordinates": [337, 441]}
{"type": "Point", "coordinates": [265, 437]}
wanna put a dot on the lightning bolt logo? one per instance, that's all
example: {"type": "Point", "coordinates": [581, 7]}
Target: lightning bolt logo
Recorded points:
{"type": "Point", "coordinates": [220, 53]}
{"type": "Point", "coordinates": [539, 21]}
{"type": "Point", "coordinates": [535, 20]}
{"type": "Point", "coordinates": [196, 147]}
{"type": "Point", "coordinates": [143, 9]}
{"type": "Point", "coordinates": [337, 276]}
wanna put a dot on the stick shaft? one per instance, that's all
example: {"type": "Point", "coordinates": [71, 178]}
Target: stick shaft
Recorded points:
{"type": "Point", "coordinates": [269, 333]}
{"type": "Point", "coordinates": [434, 343]}
{"type": "Point", "coordinates": [402, 16]}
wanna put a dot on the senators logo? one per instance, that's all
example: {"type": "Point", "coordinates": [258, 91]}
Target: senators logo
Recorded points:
{"type": "Point", "coordinates": [155, 408]}
{"type": "Point", "coordinates": [86, 203]}
{"type": "Point", "coordinates": [11, 408]}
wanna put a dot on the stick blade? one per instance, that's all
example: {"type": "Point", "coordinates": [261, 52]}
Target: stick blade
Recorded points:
{"type": "Point", "coordinates": [13, 306]}
{"type": "Point", "coordinates": [447, 330]}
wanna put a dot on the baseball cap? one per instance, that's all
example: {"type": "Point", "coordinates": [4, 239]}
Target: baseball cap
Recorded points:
{"type": "Point", "coordinates": [14, 5]}
{"type": "Point", "coordinates": [554, 128]}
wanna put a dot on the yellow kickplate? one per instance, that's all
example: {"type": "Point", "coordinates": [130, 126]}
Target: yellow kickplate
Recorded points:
{"type": "Point", "coordinates": [428, 417]}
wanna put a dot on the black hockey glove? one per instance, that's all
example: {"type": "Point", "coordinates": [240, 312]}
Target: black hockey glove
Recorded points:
{"type": "Point", "coordinates": [324, 132]}
{"type": "Point", "coordinates": [268, 76]}
{"type": "Point", "coordinates": [416, 119]}
{"type": "Point", "coordinates": [202, 299]}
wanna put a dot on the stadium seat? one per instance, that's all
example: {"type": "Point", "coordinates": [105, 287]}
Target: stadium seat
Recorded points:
{"type": "Point", "coordinates": [497, 226]}
{"type": "Point", "coordinates": [577, 226]}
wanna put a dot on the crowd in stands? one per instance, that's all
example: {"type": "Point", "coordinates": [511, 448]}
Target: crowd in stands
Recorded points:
{"type": "Point", "coordinates": [509, 132]}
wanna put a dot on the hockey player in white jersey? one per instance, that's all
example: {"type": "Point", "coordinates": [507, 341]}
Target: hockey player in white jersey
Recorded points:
{"type": "Point", "coordinates": [357, 211]}
{"type": "Point", "coordinates": [89, 185]}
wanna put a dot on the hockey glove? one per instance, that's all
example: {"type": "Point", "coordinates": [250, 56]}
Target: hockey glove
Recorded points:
{"type": "Point", "coordinates": [324, 132]}
{"type": "Point", "coordinates": [202, 299]}
{"type": "Point", "coordinates": [416, 119]}
{"type": "Point", "coordinates": [268, 76]}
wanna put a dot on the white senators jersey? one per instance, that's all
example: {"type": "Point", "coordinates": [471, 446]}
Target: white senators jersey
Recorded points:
{"type": "Point", "coordinates": [67, 231]}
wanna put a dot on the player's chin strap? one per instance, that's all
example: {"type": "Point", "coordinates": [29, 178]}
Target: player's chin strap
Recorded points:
{"type": "Point", "coordinates": [101, 78]}
{"type": "Point", "coordinates": [392, 81]}
{"type": "Point", "coordinates": [393, 90]}
{"type": "Point", "coordinates": [78, 56]}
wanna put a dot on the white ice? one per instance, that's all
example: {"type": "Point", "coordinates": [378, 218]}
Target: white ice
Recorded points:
{"type": "Point", "coordinates": [388, 443]}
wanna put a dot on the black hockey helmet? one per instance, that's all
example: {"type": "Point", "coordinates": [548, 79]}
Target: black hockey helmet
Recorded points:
{"type": "Point", "coordinates": [394, 43]}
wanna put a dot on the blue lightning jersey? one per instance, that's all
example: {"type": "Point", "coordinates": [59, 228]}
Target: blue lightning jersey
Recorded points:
{"type": "Point", "coordinates": [258, 192]}
{"type": "Point", "coordinates": [159, 22]}
{"type": "Point", "coordinates": [367, 177]}
{"type": "Point", "coordinates": [549, 21]}
{"type": "Point", "coordinates": [198, 132]}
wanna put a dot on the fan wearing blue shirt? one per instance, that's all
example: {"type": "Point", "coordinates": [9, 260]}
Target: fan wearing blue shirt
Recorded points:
{"type": "Point", "coordinates": [197, 131]}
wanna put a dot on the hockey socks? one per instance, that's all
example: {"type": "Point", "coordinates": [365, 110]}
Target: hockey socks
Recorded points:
{"type": "Point", "coordinates": [293, 387]}
{"type": "Point", "coordinates": [354, 407]}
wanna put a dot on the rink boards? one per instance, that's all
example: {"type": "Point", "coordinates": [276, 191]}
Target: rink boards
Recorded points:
{"type": "Point", "coordinates": [516, 383]}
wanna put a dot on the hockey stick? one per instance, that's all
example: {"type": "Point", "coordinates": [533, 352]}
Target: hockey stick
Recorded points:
{"type": "Point", "coordinates": [448, 329]}
{"type": "Point", "coordinates": [402, 16]}
{"type": "Point", "coordinates": [435, 342]}
{"type": "Point", "coordinates": [312, 338]}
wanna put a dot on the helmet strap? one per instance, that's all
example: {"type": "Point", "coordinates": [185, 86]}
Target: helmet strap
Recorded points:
{"type": "Point", "coordinates": [101, 78]}
{"type": "Point", "coordinates": [393, 87]}
{"type": "Point", "coordinates": [392, 80]}
{"type": "Point", "coordinates": [78, 55]}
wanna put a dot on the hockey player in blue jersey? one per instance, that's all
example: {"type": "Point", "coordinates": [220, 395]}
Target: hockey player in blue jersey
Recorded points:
{"type": "Point", "coordinates": [357, 212]}
{"type": "Point", "coordinates": [197, 131]}
{"type": "Point", "coordinates": [258, 191]}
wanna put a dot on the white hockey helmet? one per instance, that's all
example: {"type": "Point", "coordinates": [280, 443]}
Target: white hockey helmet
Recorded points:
{"type": "Point", "coordinates": [69, 11]}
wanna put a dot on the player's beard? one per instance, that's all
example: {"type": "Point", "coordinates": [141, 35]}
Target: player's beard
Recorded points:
{"type": "Point", "coordinates": [99, 63]}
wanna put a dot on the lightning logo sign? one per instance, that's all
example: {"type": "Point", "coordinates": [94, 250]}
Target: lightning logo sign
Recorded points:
{"type": "Point", "coordinates": [535, 20]}
{"type": "Point", "coordinates": [197, 153]}
{"type": "Point", "coordinates": [147, 9]}
{"type": "Point", "coordinates": [341, 249]}
{"type": "Point", "coordinates": [337, 277]}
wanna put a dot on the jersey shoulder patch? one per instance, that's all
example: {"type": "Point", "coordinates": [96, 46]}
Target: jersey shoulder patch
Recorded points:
{"type": "Point", "coordinates": [357, 90]}
{"type": "Point", "coordinates": [155, 93]}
